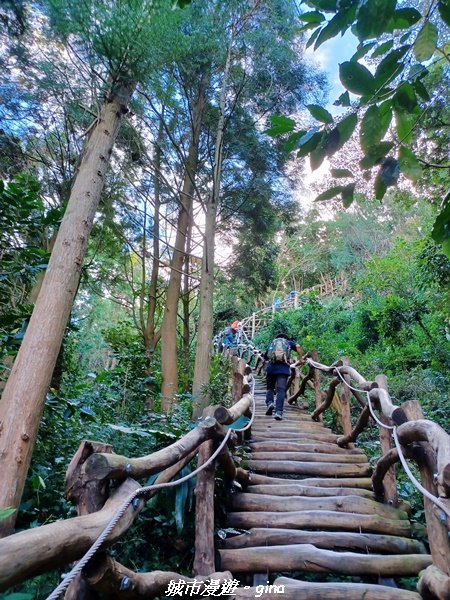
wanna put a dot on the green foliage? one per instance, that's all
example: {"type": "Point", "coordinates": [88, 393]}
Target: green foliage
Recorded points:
{"type": "Point", "coordinates": [26, 224]}
{"type": "Point", "coordinates": [394, 87]}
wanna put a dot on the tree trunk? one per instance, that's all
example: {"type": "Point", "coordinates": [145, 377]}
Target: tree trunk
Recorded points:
{"type": "Point", "coordinates": [169, 325]}
{"type": "Point", "coordinates": [24, 395]}
{"type": "Point", "coordinates": [205, 322]}
{"type": "Point", "coordinates": [151, 336]}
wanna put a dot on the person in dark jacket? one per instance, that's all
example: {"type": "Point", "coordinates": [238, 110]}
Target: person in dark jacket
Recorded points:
{"type": "Point", "coordinates": [277, 376]}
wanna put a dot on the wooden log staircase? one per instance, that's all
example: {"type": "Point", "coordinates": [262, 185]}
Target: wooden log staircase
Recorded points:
{"type": "Point", "coordinates": [307, 518]}
{"type": "Point", "coordinates": [308, 509]}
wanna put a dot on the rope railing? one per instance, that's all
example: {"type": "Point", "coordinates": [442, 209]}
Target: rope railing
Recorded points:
{"type": "Point", "coordinates": [407, 434]}
{"type": "Point", "coordinates": [97, 468]}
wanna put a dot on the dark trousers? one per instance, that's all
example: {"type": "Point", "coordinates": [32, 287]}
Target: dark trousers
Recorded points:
{"type": "Point", "coordinates": [278, 381]}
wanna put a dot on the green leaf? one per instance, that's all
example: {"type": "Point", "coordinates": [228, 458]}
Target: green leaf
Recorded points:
{"type": "Point", "coordinates": [341, 173]}
{"type": "Point", "coordinates": [348, 194]}
{"type": "Point", "coordinates": [390, 171]}
{"type": "Point", "coordinates": [181, 496]}
{"type": "Point", "coordinates": [441, 227]}
{"type": "Point", "coordinates": [338, 24]}
{"type": "Point", "coordinates": [319, 113]}
{"type": "Point", "coordinates": [281, 125]}
{"type": "Point", "coordinates": [346, 128]}
{"type": "Point", "coordinates": [363, 50]}
{"type": "Point", "coordinates": [376, 154]}
{"type": "Point", "coordinates": [373, 18]}
{"type": "Point", "coordinates": [374, 125]}
{"type": "Point", "coordinates": [18, 596]}
{"type": "Point", "coordinates": [309, 142]}
{"type": "Point", "coordinates": [403, 18]}
{"type": "Point", "coordinates": [325, 5]}
{"type": "Point", "coordinates": [380, 186]}
{"type": "Point", "coordinates": [382, 49]}
{"type": "Point", "coordinates": [343, 100]}
{"type": "Point", "coordinates": [421, 90]}
{"type": "Point", "coordinates": [7, 512]}
{"type": "Point", "coordinates": [405, 98]}
{"type": "Point", "coordinates": [390, 67]}
{"type": "Point", "coordinates": [317, 156]}
{"type": "Point", "coordinates": [356, 78]}
{"type": "Point", "coordinates": [404, 123]}
{"type": "Point", "coordinates": [444, 11]}
{"type": "Point", "coordinates": [409, 165]}
{"type": "Point", "coordinates": [331, 193]}
{"type": "Point", "coordinates": [313, 37]}
{"type": "Point", "coordinates": [426, 41]}
{"type": "Point", "coordinates": [293, 141]}
{"type": "Point", "coordinates": [312, 17]}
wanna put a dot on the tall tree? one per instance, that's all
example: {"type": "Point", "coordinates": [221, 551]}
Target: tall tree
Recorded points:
{"type": "Point", "coordinates": [243, 84]}
{"type": "Point", "coordinates": [118, 46]}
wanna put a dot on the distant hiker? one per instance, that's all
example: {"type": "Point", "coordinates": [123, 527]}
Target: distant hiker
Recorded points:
{"type": "Point", "coordinates": [278, 370]}
{"type": "Point", "coordinates": [230, 335]}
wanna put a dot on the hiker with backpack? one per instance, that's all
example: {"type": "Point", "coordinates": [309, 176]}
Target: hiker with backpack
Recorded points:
{"type": "Point", "coordinates": [278, 370]}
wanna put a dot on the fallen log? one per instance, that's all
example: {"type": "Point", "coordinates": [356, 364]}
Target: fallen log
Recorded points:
{"type": "Point", "coordinates": [320, 519]}
{"type": "Point", "coordinates": [310, 457]}
{"type": "Point", "coordinates": [112, 579]}
{"type": "Point", "coordinates": [356, 482]}
{"type": "Point", "coordinates": [332, 540]}
{"type": "Point", "coordinates": [433, 583]}
{"type": "Point", "coordinates": [345, 504]}
{"type": "Point", "coordinates": [115, 466]}
{"type": "Point", "coordinates": [306, 557]}
{"type": "Point", "coordinates": [308, 468]}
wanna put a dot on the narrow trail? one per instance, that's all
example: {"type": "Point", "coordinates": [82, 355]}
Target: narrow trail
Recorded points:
{"type": "Point", "coordinates": [309, 508]}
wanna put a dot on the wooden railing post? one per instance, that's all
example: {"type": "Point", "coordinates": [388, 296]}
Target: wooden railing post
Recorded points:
{"type": "Point", "coordinates": [435, 519]}
{"type": "Point", "coordinates": [390, 479]}
{"type": "Point", "coordinates": [344, 394]}
{"type": "Point", "coordinates": [89, 497]}
{"type": "Point", "coordinates": [204, 562]}
{"type": "Point", "coordinates": [317, 388]}
{"type": "Point", "coordinates": [253, 325]}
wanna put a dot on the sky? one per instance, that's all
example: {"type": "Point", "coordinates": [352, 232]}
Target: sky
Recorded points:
{"type": "Point", "coordinates": [328, 56]}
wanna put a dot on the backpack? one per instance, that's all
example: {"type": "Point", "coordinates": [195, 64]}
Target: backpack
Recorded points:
{"type": "Point", "coordinates": [279, 351]}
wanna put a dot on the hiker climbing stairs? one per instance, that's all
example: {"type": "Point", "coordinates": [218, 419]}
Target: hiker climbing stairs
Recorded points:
{"type": "Point", "coordinates": [309, 508]}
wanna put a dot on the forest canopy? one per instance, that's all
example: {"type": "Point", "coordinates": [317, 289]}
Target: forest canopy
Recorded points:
{"type": "Point", "coordinates": [155, 186]}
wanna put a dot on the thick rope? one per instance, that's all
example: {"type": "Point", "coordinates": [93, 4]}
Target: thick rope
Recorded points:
{"type": "Point", "coordinates": [393, 428]}
{"type": "Point", "coordinates": [128, 501]}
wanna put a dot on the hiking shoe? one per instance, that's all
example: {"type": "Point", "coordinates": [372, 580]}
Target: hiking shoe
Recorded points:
{"type": "Point", "coordinates": [278, 415]}
{"type": "Point", "coordinates": [270, 409]}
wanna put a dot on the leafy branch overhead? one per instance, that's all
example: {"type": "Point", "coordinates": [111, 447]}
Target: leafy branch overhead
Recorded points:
{"type": "Point", "coordinates": [386, 102]}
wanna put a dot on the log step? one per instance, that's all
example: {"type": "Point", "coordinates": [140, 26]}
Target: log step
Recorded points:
{"type": "Point", "coordinates": [305, 590]}
{"type": "Point", "coordinates": [306, 557]}
{"type": "Point", "coordinates": [328, 540]}
{"type": "Point", "coordinates": [321, 520]}
{"type": "Point", "coordinates": [353, 482]}
{"type": "Point", "coordinates": [345, 504]}
{"type": "Point", "coordinates": [297, 489]}
{"type": "Point", "coordinates": [296, 436]}
{"type": "Point", "coordinates": [308, 468]}
{"type": "Point", "coordinates": [310, 456]}
{"type": "Point", "coordinates": [281, 446]}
